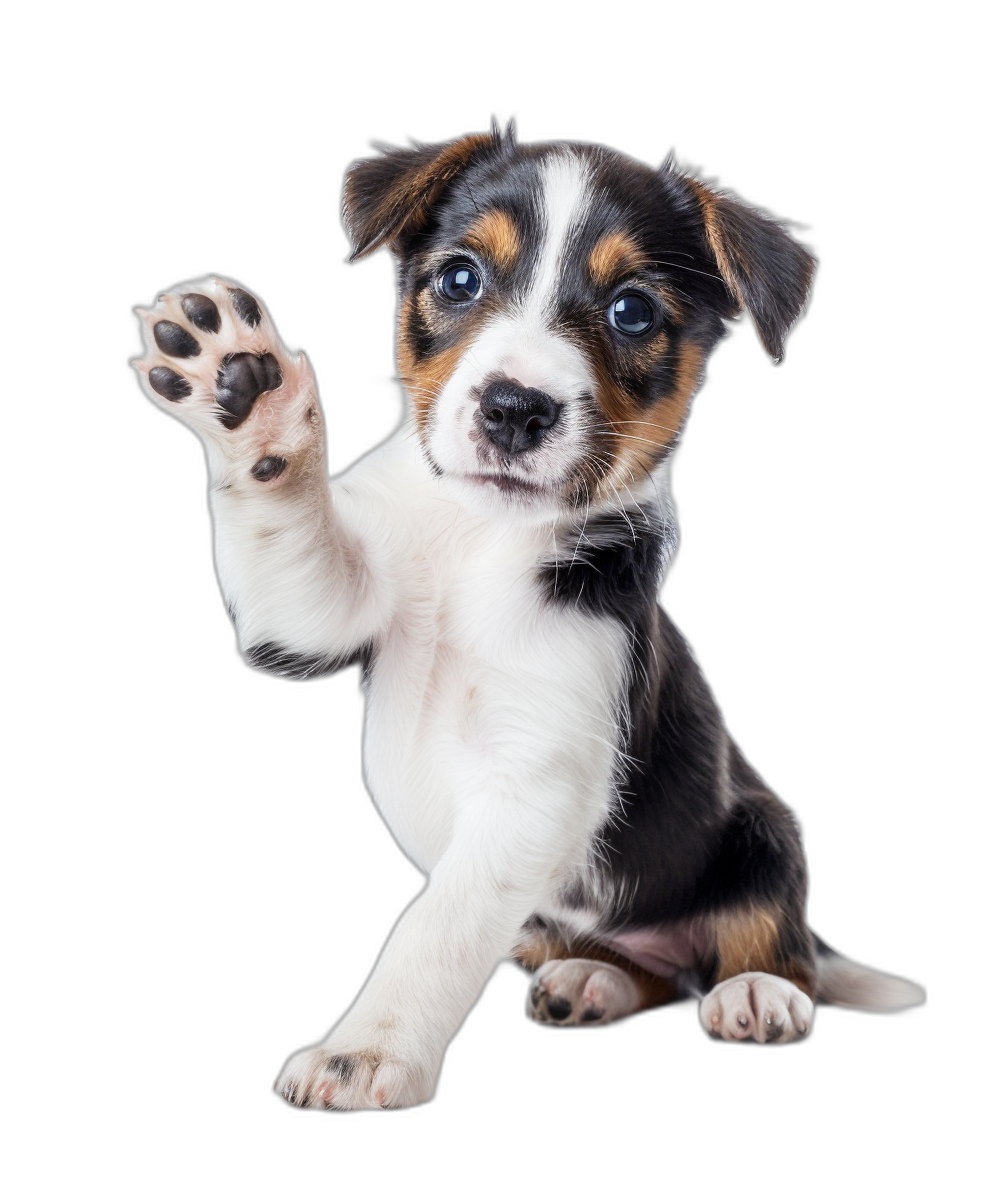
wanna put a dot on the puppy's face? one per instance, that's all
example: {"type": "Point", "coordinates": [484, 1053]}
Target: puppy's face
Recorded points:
{"type": "Point", "coordinates": [558, 303]}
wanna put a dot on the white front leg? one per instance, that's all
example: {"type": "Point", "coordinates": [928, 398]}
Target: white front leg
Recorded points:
{"type": "Point", "coordinates": [507, 853]}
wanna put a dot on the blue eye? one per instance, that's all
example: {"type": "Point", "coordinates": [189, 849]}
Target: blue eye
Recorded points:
{"type": "Point", "coordinates": [632, 313]}
{"type": "Point", "coordinates": [460, 283]}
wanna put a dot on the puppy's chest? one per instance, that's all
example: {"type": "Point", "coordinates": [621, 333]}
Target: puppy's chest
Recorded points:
{"type": "Point", "coordinates": [463, 692]}
{"type": "Point", "coordinates": [454, 652]}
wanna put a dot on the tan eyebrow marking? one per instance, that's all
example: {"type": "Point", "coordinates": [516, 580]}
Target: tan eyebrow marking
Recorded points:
{"type": "Point", "coordinates": [495, 235]}
{"type": "Point", "coordinates": [612, 257]}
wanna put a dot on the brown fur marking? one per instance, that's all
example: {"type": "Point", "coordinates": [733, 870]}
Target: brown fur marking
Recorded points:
{"type": "Point", "coordinates": [424, 380]}
{"type": "Point", "coordinates": [709, 202]}
{"type": "Point", "coordinates": [495, 236]}
{"type": "Point", "coordinates": [405, 204]}
{"type": "Point", "coordinates": [727, 256]}
{"type": "Point", "coordinates": [423, 186]}
{"type": "Point", "coordinates": [650, 431]}
{"type": "Point", "coordinates": [613, 257]}
{"type": "Point", "coordinates": [747, 938]}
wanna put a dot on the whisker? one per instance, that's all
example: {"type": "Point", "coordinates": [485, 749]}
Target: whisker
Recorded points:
{"type": "Point", "coordinates": [628, 436]}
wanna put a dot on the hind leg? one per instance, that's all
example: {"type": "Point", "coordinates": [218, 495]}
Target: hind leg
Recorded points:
{"type": "Point", "coordinates": [763, 978]}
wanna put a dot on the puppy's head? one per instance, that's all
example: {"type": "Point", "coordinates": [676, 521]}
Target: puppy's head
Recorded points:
{"type": "Point", "coordinates": [558, 303]}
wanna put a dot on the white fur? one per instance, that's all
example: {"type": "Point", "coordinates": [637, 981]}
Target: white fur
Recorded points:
{"type": "Point", "coordinates": [840, 980]}
{"type": "Point", "coordinates": [563, 195]}
{"type": "Point", "coordinates": [520, 345]}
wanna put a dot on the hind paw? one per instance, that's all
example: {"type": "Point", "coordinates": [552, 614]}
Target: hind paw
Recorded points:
{"type": "Point", "coordinates": [581, 991]}
{"type": "Point", "coordinates": [757, 1006]}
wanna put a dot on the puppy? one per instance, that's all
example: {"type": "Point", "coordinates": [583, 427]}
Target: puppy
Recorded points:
{"type": "Point", "coordinates": [539, 738]}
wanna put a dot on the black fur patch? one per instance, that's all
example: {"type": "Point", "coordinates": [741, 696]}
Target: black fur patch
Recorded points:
{"type": "Point", "coordinates": [341, 1067]}
{"type": "Point", "coordinates": [614, 566]}
{"type": "Point", "coordinates": [697, 831]}
{"type": "Point", "coordinates": [277, 660]}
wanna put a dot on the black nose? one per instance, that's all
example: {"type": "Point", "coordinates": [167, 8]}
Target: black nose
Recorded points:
{"type": "Point", "coordinates": [515, 418]}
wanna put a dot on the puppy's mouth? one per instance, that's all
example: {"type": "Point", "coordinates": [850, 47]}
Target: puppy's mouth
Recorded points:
{"type": "Point", "coordinates": [507, 483]}
{"type": "Point", "coordinates": [519, 490]}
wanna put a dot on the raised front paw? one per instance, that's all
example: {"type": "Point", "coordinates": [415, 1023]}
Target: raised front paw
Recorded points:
{"type": "Point", "coordinates": [581, 991]}
{"type": "Point", "coordinates": [214, 359]}
{"type": "Point", "coordinates": [757, 1006]}
{"type": "Point", "coordinates": [327, 1078]}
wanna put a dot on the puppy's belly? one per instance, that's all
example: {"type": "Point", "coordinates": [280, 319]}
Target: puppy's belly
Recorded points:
{"type": "Point", "coordinates": [664, 950]}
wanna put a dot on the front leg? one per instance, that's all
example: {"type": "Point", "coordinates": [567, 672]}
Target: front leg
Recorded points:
{"type": "Point", "coordinates": [297, 580]}
{"type": "Point", "coordinates": [387, 1050]}
{"type": "Point", "coordinates": [500, 865]}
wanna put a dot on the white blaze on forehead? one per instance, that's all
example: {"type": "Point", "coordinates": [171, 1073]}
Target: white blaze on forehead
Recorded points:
{"type": "Point", "coordinates": [563, 202]}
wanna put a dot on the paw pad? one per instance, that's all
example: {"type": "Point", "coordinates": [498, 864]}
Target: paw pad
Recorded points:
{"type": "Point", "coordinates": [201, 325]}
{"type": "Point", "coordinates": [269, 467]}
{"type": "Point", "coordinates": [175, 341]}
{"type": "Point", "coordinates": [214, 359]}
{"type": "Point", "coordinates": [169, 384]}
{"type": "Point", "coordinates": [201, 312]}
{"type": "Point", "coordinates": [246, 306]}
{"type": "Point", "coordinates": [241, 379]}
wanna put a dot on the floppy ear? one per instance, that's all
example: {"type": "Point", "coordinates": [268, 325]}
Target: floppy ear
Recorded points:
{"type": "Point", "coordinates": [387, 198]}
{"type": "Point", "coordinates": [766, 271]}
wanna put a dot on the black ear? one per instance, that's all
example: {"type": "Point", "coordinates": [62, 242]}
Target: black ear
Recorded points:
{"type": "Point", "coordinates": [385, 199]}
{"type": "Point", "coordinates": [766, 271]}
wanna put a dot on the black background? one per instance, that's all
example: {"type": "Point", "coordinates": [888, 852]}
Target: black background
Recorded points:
{"type": "Point", "coordinates": [262, 876]}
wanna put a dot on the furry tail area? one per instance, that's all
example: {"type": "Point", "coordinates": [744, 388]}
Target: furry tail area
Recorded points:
{"type": "Point", "coordinates": [839, 980]}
